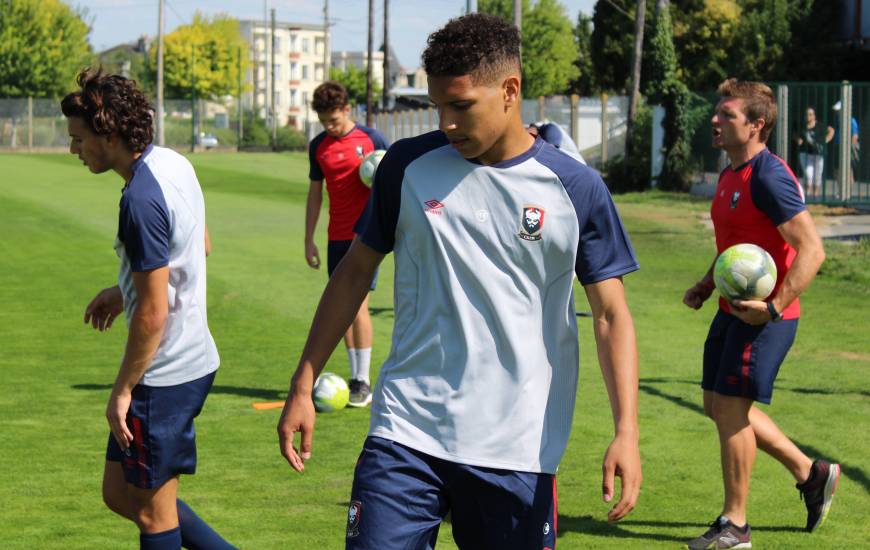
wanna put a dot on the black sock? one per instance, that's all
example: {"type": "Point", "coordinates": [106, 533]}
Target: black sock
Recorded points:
{"type": "Point", "coordinates": [195, 533]}
{"type": "Point", "coordinates": [166, 540]}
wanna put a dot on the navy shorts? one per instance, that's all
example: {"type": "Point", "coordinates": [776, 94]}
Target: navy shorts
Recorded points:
{"type": "Point", "coordinates": [743, 360]}
{"type": "Point", "coordinates": [400, 496]}
{"type": "Point", "coordinates": [335, 251]}
{"type": "Point", "coordinates": [164, 441]}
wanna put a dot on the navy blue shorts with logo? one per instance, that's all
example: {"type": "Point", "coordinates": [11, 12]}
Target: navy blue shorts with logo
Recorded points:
{"type": "Point", "coordinates": [400, 496]}
{"type": "Point", "coordinates": [164, 441]}
{"type": "Point", "coordinates": [742, 360]}
{"type": "Point", "coordinates": [335, 251]}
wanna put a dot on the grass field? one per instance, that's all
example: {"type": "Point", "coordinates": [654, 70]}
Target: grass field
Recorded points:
{"type": "Point", "coordinates": [57, 223]}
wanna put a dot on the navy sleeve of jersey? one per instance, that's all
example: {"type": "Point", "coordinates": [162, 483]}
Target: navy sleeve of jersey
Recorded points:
{"type": "Point", "coordinates": [378, 139]}
{"type": "Point", "coordinates": [550, 133]}
{"type": "Point", "coordinates": [144, 225]}
{"type": "Point", "coordinates": [315, 173]}
{"type": "Point", "coordinates": [376, 226]}
{"type": "Point", "coordinates": [775, 191]}
{"type": "Point", "coordinates": [604, 250]}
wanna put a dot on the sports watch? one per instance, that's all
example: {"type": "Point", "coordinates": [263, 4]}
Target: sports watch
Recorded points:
{"type": "Point", "coordinates": [775, 316]}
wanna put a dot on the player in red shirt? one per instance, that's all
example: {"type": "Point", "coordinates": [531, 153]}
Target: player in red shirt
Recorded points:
{"type": "Point", "coordinates": [758, 200]}
{"type": "Point", "coordinates": [335, 155]}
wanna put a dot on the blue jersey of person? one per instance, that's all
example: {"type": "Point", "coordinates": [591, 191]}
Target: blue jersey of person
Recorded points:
{"type": "Point", "coordinates": [483, 366]}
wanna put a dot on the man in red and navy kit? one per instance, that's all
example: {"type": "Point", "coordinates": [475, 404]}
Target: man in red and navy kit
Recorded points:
{"type": "Point", "coordinates": [335, 155]}
{"type": "Point", "coordinates": [758, 200]}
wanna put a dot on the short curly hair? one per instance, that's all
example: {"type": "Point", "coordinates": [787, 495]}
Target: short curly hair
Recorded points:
{"type": "Point", "coordinates": [758, 99]}
{"type": "Point", "coordinates": [484, 46]}
{"type": "Point", "coordinates": [111, 104]}
{"type": "Point", "coordinates": [329, 96]}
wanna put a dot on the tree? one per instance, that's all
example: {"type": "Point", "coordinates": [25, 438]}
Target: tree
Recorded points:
{"type": "Point", "coordinates": [548, 44]}
{"type": "Point", "coordinates": [585, 84]}
{"type": "Point", "coordinates": [611, 45]}
{"type": "Point", "coordinates": [354, 81]}
{"type": "Point", "coordinates": [43, 46]}
{"type": "Point", "coordinates": [209, 46]}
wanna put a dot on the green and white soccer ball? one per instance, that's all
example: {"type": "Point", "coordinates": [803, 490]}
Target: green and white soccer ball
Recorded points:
{"type": "Point", "coordinates": [330, 392]}
{"type": "Point", "coordinates": [370, 165]}
{"type": "Point", "coordinates": [744, 272]}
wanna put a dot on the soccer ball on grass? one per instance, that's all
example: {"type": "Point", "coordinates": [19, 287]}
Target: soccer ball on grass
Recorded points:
{"type": "Point", "coordinates": [330, 392]}
{"type": "Point", "coordinates": [370, 165]}
{"type": "Point", "coordinates": [744, 272]}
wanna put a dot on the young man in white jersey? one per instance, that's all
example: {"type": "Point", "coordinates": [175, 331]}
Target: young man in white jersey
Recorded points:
{"type": "Point", "coordinates": [170, 359]}
{"type": "Point", "coordinates": [473, 407]}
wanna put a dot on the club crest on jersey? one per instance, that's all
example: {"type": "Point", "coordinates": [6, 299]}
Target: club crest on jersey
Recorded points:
{"type": "Point", "coordinates": [734, 198]}
{"type": "Point", "coordinates": [353, 518]}
{"type": "Point", "coordinates": [359, 151]}
{"type": "Point", "coordinates": [531, 223]}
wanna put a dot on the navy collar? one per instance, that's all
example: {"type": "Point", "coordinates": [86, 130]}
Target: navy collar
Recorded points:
{"type": "Point", "coordinates": [519, 159]}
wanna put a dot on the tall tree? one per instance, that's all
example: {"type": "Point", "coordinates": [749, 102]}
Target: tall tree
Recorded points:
{"type": "Point", "coordinates": [549, 49]}
{"type": "Point", "coordinates": [703, 36]}
{"type": "Point", "coordinates": [354, 81]}
{"type": "Point", "coordinates": [43, 46]}
{"type": "Point", "coordinates": [636, 61]}
{"type": "Point", "coordinates": [585, 84]}
{"type": "Point", "coordinates": [205, 52]}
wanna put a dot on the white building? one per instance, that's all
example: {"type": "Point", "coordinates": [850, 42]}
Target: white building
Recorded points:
{"type": "Point", "coordinates": [299, 69]}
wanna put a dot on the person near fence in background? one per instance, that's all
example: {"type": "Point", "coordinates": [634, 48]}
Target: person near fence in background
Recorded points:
{"type": "Point", "coordinates": [170, 360]}
{"type": "Point", "coordinates": [758, 200]}
{"type": "Point", "coordinates": [474, 405]}
{"type": "Point", "coordinates": [811, 152]}
{"type": "Point", "coordinates": [555, 135]}
{"type": "Point", "coordinates": [335, 155]}
{"type": "Point", "coordinates": [854, 142]}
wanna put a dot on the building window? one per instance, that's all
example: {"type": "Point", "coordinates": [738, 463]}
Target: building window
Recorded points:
{"type": "Point", "coordinates": [277, 98]}
{"type": "Point", "coordinates": [277, 67]}
{"type": "Point", "coordinates": [276, 43]}
{"type": "Point", "coordinates": [305, 45]}
{"type": "Point", "coordinates": [292, 98]}
{"type": "Point", "coordinates": [318, 71]}
{"type": "Point", "coordinates": [292, 42]}
{"type": "Point", "coordinates": [304, 99]}
{"type": "Point", "coordinates": [318, 46]}
{"type": "Point", "coordinates": [292, 70]}
{"type": "Point", "coordinates": [304, 72]}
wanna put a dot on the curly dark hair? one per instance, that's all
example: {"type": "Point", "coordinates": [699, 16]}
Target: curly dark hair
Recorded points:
{"type": "Point", "coordinates": [481, 45]}
{"type": "Point", "coordinates": [329, 96]}
{"type": "Point", "coordinates": [112, 104]}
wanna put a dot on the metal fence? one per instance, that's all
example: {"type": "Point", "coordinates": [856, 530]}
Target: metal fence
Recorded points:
{"type": "Point", "coordinates": [842, 129]}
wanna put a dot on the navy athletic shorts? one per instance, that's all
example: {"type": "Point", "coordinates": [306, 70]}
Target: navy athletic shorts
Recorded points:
{"type": "Point", "coordinates": [335, 251]}
{"type": "Point", "coordinates": [400, 496]}
{"type": "Point", "coordinates": [164, 441]}
{"type": "Point", "coordinates": [743, 360]}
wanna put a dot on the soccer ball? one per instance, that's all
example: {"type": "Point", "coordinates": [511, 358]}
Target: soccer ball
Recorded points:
{"type": "Point", "coordinates": [744, 272]}
{"type": "Point", "coordinates": [369, 165]}
{"type": "Point", "coordinates": [330, 392]}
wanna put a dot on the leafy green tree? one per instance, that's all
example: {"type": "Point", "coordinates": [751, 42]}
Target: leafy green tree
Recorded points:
{"type": "Point", "coordinates": [585, 84]}
{"type": "Point", "coordinates": [612, 43]}
{"type": "Point", "coordinates": [548, 44]}
{"type": "Point", "coordinates": [205, 52]}
{"type": "Point", "coordinates": [43, 46]}
{"type": "Point", "coordinates": [761, 40]}
{"type": "Point", "coordinates": [703, 35]}
{"type": "Point", "coordinates": [354, 80]}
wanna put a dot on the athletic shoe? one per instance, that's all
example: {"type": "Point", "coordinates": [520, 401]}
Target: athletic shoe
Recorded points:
{"type": "Point", "coordinates": [817, 492]}
{"type": "Point", "coordinates": [360, 394]}
{"type": "Point", "coordinates": [722, 534]}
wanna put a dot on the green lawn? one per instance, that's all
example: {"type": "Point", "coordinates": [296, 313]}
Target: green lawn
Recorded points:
{"type": "Point", "coordinates": [57, 223]}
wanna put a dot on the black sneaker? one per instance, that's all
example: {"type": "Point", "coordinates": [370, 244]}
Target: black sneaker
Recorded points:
{"type": "Point", "coordinates": [817, 492]}
{"type": "Point", "coordinates": [360, 394]}
{"type": "Point", "coordinates": [722, 534]}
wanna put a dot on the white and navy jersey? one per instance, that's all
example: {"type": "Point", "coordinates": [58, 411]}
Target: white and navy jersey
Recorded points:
{"type": "Point", "coordinates": [162, 223]}
{"type": "Point", "coordinates": [484, 359]}
{"type": "Point", "coordinates": [556, 136]}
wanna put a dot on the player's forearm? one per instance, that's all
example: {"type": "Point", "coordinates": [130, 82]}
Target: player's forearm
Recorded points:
{"type": "Point", "coordinates": [617, 355]}
{"type": "Point", "coordinates": [312, 213]}
{"type": "Point", "coordinates": [806, 264]}
{"type": "Point", "coordinates": [146, 331]}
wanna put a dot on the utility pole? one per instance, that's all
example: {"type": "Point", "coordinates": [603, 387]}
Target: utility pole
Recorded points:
{"type": "Point", "coordinates": [160, 132]}
{"type": "Point", "coordinates": [193, 117]}
{"type": "Point", "coordinates": [469, 6]}
{"type": "Point", "coordinates": [518, 14]}
{"type": "Point", "coordinates": [266, 46]}
{"type": "Point", "coordinates": [386, 91]}
{"type": "Point", "coordinates": [272, 60]}
{"type": "Point", "coordinates": [241, 112]}
{"type": "Point", "coordinates": [640, 16]}
{"type": "Point", "coordinates": [369, 63]}
{"type": "Point", "coordinates": [325, 42]}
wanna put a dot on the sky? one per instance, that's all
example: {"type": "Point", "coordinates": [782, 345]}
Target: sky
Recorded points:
{"type": "Point", "coordinates": [411, 21]}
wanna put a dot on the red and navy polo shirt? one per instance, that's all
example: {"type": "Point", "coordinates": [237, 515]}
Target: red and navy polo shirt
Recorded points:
{"type": "Point", "coordinates": [337, 160]}
{"type": "Point", "coordinates": [750, 202]}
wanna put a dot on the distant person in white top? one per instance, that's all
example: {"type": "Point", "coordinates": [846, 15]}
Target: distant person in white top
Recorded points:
{"type": "Point", "coordinates": [170, 359]}
{"type": "Point", "coordinates": [473, 407]}
{"type": "Point", "coordinates": [555, 135]}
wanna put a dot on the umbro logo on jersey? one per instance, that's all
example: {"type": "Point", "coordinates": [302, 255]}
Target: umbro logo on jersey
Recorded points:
{"type": "Point", "coordinates": [434, 207]}
{"type": "Point", "coordinates": [531, 223]}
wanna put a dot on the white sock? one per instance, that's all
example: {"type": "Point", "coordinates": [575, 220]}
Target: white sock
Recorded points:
{"type": "Point", "coordinates": [363, 361]}
{"type": "Point", "coordinates": [351, 358]}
